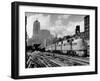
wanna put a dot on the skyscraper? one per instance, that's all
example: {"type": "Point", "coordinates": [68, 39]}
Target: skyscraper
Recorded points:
{"type": "Point", "coordinates": [36, 27]}
{"type": "Point", "coordinates": [39, 35]}
{"type": "Point", "coordinates": [86, 26]}
{"type": "Point", "coordinates": [86, 23]}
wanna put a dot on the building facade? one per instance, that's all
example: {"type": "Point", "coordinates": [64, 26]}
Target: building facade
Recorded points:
{"type": "Point", "coordinates": [87, 26]}
{"type": "Point", "coordinates": [39, 35]}
{"type": "Point", "coordinates": [36, 28]}
{"type": "Point", "coordinates": [84, 35]}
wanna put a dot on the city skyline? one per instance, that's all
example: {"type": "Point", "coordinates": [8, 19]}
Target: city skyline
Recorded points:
{"type": "Point", "coordinates": [57, 24]}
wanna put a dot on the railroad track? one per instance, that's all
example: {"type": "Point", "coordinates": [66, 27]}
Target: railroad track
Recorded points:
{"type": "Point", "coordinates": [83, 62]}
{"type": "Point", "coordinates": [49, 62]}
{"type": "Point", "coordinates": [43, 60]}
{"type": "Point", "coordinates": [74, 60]}
{"type": "Point", "coordinates": [40, 61]}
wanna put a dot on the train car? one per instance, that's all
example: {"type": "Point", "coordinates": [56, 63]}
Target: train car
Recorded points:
{"type": "Point", "coordinates": [65, 46]}
{"type": "Point", "coordinates": [77, 46]}
{"type": "Point", "coordinates": [50, 47]}
{"type": "Point", "coordinates": [58, 46]}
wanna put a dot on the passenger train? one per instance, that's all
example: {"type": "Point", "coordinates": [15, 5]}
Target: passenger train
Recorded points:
{"type": "Point", "coordinates": [75, 47]}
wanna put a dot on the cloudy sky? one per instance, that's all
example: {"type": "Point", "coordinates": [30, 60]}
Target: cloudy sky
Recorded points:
{"type": "Point", "coordinates": [57, 24]}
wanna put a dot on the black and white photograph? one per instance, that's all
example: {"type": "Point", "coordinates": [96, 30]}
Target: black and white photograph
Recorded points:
{"type": "Point", "coordinates": [51, 40]}
{"type": "Point", "coordinates": [56, 40]}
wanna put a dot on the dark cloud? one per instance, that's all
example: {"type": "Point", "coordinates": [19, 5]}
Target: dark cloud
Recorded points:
{"type": "Point", "coordinates": [56, 22]}
{"type": "Point", "coordinates": [76, 18]}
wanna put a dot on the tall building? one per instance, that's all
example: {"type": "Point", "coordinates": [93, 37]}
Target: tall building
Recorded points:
{"type": "Point", "coordinates": [86, 23]}
{"type": "Point", "coordinates": [86, 26]}
{"type": "Point", "coordinates": [36, 27]}
{"type": "Point", "coordinates": [39, 35]}
{"type": "Point", "coordinates": [26, 38]}
{"type": "Point", "coordinates": [85, 34]}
